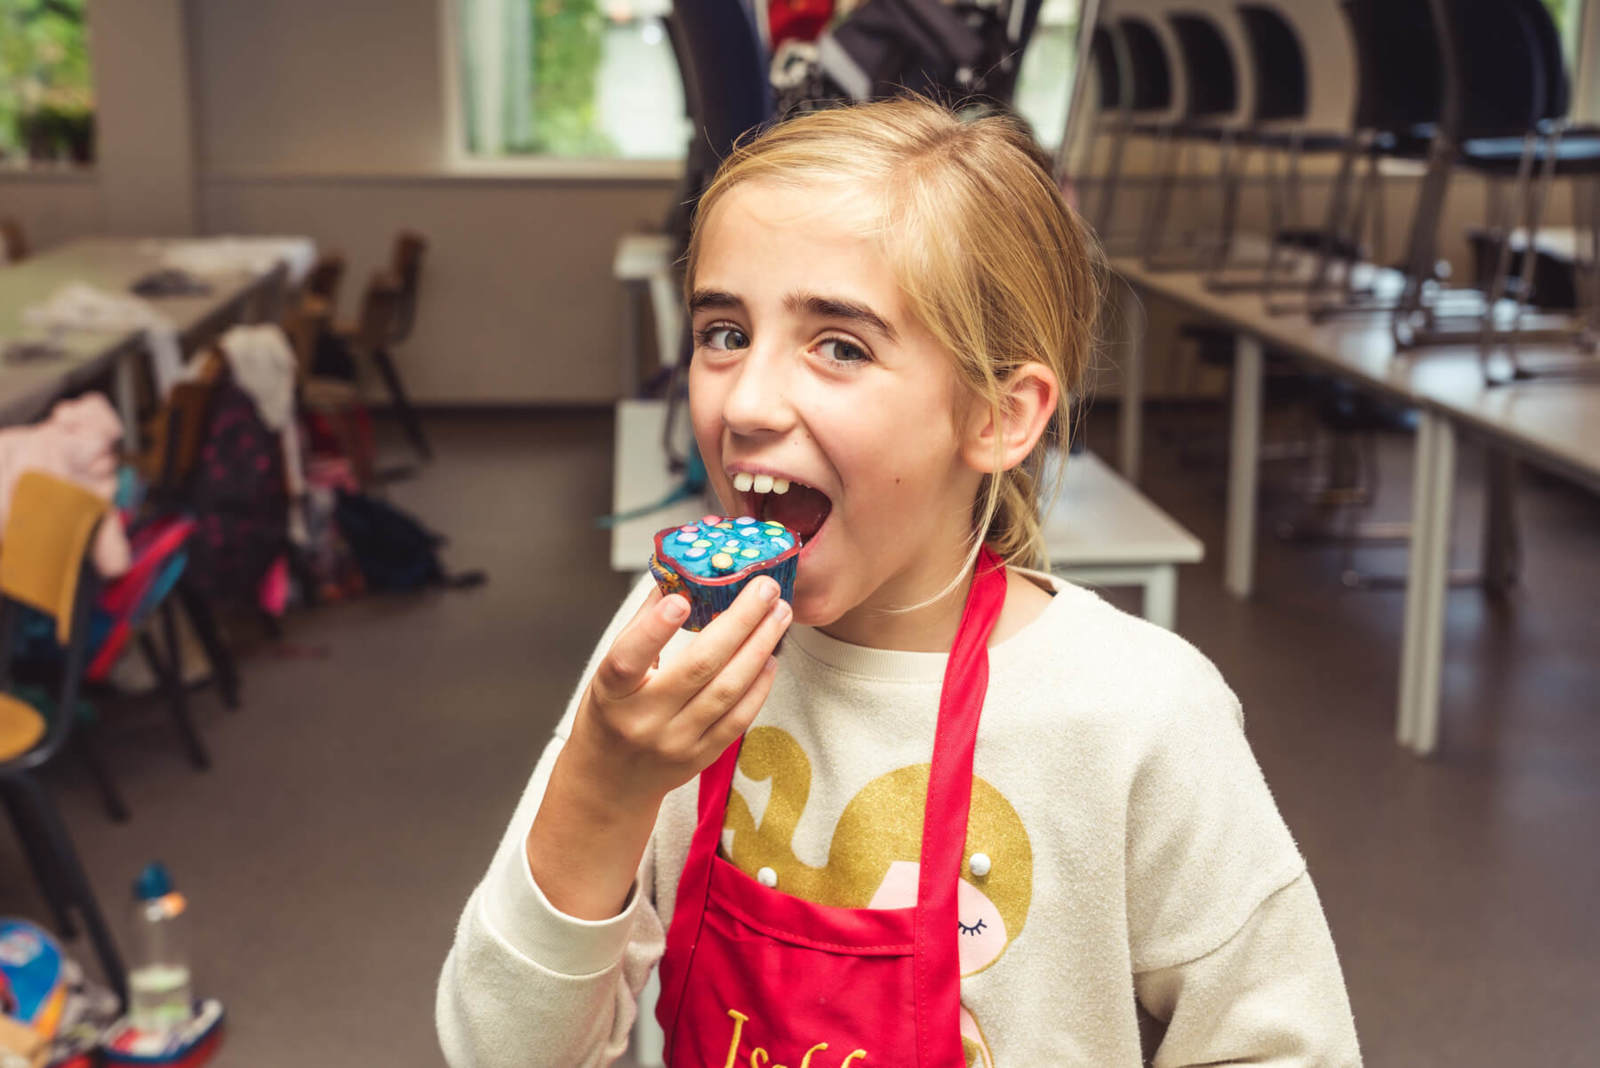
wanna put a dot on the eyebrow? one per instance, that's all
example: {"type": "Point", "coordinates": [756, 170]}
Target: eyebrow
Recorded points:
{"type": "Point", "coordinates": [839, 308]}
{"type": "Point", "coordinates": [801, 303]}
{"type": "Point", "coordinates": [713, 298]}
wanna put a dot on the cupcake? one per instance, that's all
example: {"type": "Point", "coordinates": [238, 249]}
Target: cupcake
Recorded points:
{"type": "Point", "coordinates": [709, 562]}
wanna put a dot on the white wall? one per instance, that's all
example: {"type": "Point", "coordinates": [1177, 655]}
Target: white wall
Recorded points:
{"type": "Point", "coordinates": [144, 145]}
{"type": "Point", "coordinates": [328, 118]}
{"type": "Point", "coordinates": [312, 87]}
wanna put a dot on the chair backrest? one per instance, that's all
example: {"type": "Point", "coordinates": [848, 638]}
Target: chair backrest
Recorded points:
{"type": "Point", "coordinates": [1210, 77]}
{"type": "Point", "coordinates": [307, 323]}
{"type": "Point", "coordinates": [1279, 61]}
{"type": "Point", "coordinates": [1108, 75]}
{"type": "Point", "coordinates": [378, 307]}
{"type": "Point", "coordinates": [325, 277]}
{"type": "Point", "coordinates": [45, 543]}
{"type": "Point", "coordinates": [1495, 80]}
{"type": "Point", "coordinates": [729, 67]}
{"type": "Point", "coordinates": [406, 264]}
{"type": "Point", "coordinates": [1147, 79]}
{"type": "Point", "coordinates": [183, 421]}
{"type": "Point", "coordinates": [13, 241]}
{"type": "Point", "coordinates": [1552, 58]}
{"type": "Point", "coordinates": [1399, 64]}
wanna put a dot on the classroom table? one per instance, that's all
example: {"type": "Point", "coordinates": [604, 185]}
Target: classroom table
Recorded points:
{"type": "Point", "coordinates": [1099, 531]}
{"type": "Point", "coordinates": [110, 264]}
{"type": "Point", "coordinates": [1553, 424]}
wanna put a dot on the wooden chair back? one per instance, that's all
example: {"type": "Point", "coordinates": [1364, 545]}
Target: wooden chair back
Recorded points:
{"type": "Point", "coordinates": [307, 323]}
{"type": "Point", "coordinates": [325, 277]}
{"type": "Point", "coordinates": [406, 264]}
{"type": "Point", "coordinates": [13, 242]}
{"type": "Point", "coordinates": [45, 542]}
{"type": "Point", "coordinates": [379, 307]}
{"type": "Point", "coordinates": [179, 430]}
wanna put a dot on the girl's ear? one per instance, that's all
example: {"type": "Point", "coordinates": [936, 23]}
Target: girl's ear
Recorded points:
{"type": "Point", "coordinates": [1028, 399]}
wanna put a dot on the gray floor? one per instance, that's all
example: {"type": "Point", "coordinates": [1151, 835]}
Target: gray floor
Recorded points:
{"type": "Point", "coordinates": [358, 793]}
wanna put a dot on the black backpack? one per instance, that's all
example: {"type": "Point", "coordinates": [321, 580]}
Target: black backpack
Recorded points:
{"type": "Point", "coordinates": [392, 549]}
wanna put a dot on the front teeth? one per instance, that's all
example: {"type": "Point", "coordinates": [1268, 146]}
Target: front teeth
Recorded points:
{"type": "Point", "coordinates": [744, 482]}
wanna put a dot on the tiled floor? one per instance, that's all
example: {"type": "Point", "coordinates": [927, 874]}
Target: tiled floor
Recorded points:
{"type": "Point", "coordinates": [357, 795]}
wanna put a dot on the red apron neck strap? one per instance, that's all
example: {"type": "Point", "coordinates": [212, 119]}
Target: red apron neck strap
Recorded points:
{"type": "Point", "coordinates": [936, 956]}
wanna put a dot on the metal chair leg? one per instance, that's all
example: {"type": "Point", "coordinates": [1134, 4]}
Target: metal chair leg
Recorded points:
{"type": "Point", "coordinates": [402, 404]}
{"type": "Point", "coordinates": [204, 624]}
{"type": "Point", "coordinates": [45, 872]}
{"type": "Point", "coordinates": [88, 742]}
{"type": "Point", "coordinates": [170, 672]}
{"type": "Point", "coordinates": [43, 811]}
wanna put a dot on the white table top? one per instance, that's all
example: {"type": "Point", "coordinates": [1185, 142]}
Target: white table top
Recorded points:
{"type": "Point", "coordinates": [1099, 519]}
{"type": "Point", "coordinates": [1553, 422]}
{"type": "Point", "coordinates": [111, 264]}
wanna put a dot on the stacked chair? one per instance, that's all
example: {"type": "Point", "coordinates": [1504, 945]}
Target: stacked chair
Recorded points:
{"type": "Point", "coordinates": [44, 568]}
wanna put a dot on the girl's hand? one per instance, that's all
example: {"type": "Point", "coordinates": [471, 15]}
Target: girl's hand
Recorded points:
{"type": "Point", "coordinates": [643, 728]}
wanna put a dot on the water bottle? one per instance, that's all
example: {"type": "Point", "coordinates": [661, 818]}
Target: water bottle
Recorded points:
{"type": "Point", "coordinates": [159, 995]}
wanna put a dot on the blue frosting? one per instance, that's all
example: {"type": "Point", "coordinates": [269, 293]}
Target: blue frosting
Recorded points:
{"type": "Point", "coordinates": [716, 547]}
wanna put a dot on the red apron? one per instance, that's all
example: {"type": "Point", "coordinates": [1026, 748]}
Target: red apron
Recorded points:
{"type": "Point", "coordinates": [755, 978]}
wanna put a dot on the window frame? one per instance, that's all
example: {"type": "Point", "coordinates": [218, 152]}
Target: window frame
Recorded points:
{"type": "Point", "coordinates": [460, 162]}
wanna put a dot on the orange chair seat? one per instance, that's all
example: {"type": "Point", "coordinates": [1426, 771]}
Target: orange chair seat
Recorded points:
{"type": "Point", "coordinates": [329, 394]}
{"type": "Point", "coordinates": [21, 727]}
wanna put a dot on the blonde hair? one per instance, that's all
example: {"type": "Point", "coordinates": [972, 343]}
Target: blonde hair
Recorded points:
{"type": "Point", "coordinates": [991, 259]}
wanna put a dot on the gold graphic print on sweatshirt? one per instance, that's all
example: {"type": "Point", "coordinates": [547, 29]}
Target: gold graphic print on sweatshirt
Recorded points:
{"type": "Point", "coordinates": [873, 859]}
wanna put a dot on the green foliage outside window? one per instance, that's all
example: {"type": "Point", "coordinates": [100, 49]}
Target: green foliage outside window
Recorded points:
{"type": "Point", "coordinates": [530, 76]}
{"type": "Point", "coordinates": [46, 99]}
{"type": "Point", "coordinates": [568, 46]}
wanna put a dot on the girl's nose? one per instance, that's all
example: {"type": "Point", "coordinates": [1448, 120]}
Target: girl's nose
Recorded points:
{"type": "Point", "coordinates": [757, 401]}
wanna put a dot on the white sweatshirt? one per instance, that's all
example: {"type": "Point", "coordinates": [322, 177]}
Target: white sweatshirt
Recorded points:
{"type": "Point", "coordinates": [1136, 862]}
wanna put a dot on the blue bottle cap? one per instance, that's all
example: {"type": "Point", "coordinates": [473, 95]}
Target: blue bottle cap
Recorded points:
{"type": "Point", "coordinates": [154, 882]}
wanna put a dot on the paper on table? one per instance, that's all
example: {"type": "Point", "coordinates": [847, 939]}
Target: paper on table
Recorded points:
{"type": "Point", "coordinates": [79, 306]}
{"type": "Point", "coordinates": [234, 254]}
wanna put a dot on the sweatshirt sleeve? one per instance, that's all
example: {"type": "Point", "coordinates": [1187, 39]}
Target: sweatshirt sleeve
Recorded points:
{"type": "Point", "coordinates": [1272, 994]}
{"type": "Point", "coordinates": [1230, 946]}
{"type": "Point", "coordinates": [525, 985]}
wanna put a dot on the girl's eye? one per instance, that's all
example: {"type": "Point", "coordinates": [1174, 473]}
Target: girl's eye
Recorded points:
{"type": "Point", "coordinates": [975, 928]}
{"type": "Point", "coordinates": [722, 337]}
{"type": "Point", "coordinates": [838, 350]}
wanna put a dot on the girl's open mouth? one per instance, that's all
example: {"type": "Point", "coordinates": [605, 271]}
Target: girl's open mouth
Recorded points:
{"type": "Point", "coordinates": [799, 507]}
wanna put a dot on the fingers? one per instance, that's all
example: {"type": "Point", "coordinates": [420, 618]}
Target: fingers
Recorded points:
{"type": "Point", "coordinates": [720, 733]}
{"type": "Point", "coordinates": [728, 688]}
{"type": "Point", "coordinates": [638, 648]}
{"type": "Point", "coordinates": [708, 654]}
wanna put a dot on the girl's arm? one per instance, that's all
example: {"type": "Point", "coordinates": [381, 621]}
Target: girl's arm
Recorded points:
{"type": "Point", "coordinates": [556, 942]}
{"type": "Point", "coordinates": [1272, 994]}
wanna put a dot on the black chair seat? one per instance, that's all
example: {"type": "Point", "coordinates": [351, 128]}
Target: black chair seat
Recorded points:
{"type": "Point", "coordinates": [1309, 142]}
{"type": "Point", "coordinates": [1500, 156]}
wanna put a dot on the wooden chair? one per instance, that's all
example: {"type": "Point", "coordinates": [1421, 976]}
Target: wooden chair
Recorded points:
{"type": "Point", "coordinates": [336, 399]}
{"type": "Point", "coordinates": [44, 566]}
{"type": "Point", "coordinates": [13, 242]}
{"type": "Point", "coordinates": [325, 277]}
{"type": "Point", "coordinates": [386, 321]}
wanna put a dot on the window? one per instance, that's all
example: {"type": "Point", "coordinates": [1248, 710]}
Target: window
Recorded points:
{"type": "Point", "coordinates": [46, 99]}
{"type": "Point", "coordinates": [1045, 82]}
{"type": "Point", "coordinates": [592, 79]}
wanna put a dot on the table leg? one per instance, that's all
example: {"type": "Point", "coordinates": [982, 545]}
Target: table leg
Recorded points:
{"type": "Point", "coordinates": [1130, 315]}
{"type": "Point", "coordinates": [1243, 468]}
{"type": "Point", "coordinates": [1161, 596]}
{"type": "Point", "coordinates": [125, 384]}
{"type": "Point", "coordinates": [1422, 650]}
{"type": "Point", "coordinates": [667, 307]}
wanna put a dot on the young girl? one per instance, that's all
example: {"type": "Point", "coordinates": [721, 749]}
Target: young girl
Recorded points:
{"type": "Point", "coordinates": [968, 814]}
